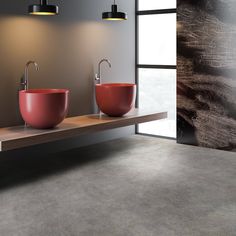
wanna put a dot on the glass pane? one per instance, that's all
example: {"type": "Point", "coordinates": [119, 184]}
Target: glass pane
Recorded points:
{"type": "Point", "coordinates": [156, 4]}
{"type": "Point", "coordinates": [157, 92]}
{"type": "Point", "coordinates": [157, 39]}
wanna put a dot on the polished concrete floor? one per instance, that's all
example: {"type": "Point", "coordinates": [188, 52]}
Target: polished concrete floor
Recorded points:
{"type": "Point", "coordinates": [138, 186]}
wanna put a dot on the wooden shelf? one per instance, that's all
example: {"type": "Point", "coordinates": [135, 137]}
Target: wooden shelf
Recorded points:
{"type": "Point", "coordinates": [20, 136]}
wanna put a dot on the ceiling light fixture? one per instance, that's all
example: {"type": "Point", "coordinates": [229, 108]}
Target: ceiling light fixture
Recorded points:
{"type": "Point", "coordinates": [114, 14]}
{"type": "Point", "coordinates": [43, 9]}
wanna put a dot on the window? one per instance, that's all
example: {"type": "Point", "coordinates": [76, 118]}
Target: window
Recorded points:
{"type": "Point", "coordinates": [156, 63]}
{"type": "Point", "coordinates": [156, 4]}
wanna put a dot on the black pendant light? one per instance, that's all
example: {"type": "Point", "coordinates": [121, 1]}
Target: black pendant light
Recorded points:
{"type": "Point", "coordinates": [114, 14]}
{"type": "Point", "coordinates": [43, 9]}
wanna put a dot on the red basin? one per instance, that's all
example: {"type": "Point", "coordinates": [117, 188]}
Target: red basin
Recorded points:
{"type": "Point", "coordinates": [43, 108]}
{"type": "Point", "coordinates": [115, 99]}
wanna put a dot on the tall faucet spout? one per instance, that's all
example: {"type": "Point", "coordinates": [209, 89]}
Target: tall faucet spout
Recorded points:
{"type": "Point", "coordinates": [98, 76]}
{"type": "Point", "coordinates": [26, 74]}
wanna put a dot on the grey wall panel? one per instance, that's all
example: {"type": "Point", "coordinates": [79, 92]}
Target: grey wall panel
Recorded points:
{"type": "Point", "coordinates": [67, 48]}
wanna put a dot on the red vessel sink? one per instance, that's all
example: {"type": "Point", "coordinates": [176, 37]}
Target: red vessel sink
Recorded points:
{"type": "Point", "coordinates": [43, 108]}
{"type": "Point", "coordinates": [115, 99]}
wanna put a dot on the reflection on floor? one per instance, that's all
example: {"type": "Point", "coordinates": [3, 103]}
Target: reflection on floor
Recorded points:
{"type": "Point", "coordinates": [138, 186]}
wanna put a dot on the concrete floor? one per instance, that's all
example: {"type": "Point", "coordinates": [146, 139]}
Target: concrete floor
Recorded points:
{"type": "Point", "coordinates": [138, 186]}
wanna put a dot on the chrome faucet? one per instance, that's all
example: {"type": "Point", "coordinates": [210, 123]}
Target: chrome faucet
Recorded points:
{"type": "Point", "coordinates": [98, 75]}
{"type": "Point", "coordinates": [25, 81]}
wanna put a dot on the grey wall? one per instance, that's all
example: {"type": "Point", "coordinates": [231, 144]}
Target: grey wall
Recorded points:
{"type": "Point", "coordinates": [67, 48]}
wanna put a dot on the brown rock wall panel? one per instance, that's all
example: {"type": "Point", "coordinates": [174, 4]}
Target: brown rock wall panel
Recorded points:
{"type": "Point", "coordinates": [206, 71]}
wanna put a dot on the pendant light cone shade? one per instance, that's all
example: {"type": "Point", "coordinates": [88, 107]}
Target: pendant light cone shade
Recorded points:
{"type": "Point", "coordinates": [43, 9]}
{"type": "Point", "coordinates": [114, 14]}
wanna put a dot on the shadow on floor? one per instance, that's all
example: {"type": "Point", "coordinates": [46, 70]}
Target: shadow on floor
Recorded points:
{"type": "Point", "coordinates": [21, 169]}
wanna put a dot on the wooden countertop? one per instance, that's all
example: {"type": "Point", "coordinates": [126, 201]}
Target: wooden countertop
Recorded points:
{"type": "Point", "coordinates": [20, 136]}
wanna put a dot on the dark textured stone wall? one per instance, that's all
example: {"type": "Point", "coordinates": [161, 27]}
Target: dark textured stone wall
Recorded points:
{"type": "Point", "coordinates": [207, 73]}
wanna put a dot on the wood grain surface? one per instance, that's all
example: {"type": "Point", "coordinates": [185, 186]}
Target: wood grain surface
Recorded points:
{"type": "Point", "coordinates": [20, 136]}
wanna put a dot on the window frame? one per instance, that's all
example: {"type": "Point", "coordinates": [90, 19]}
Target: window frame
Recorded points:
{"type": "Point", "coordinates": [147, 66]}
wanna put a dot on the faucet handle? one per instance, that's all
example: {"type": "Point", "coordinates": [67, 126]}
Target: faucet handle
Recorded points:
{"type": "Point", "coordinates": [22, 84]}
{"type": "Point", "coordinates": [97, 78]}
